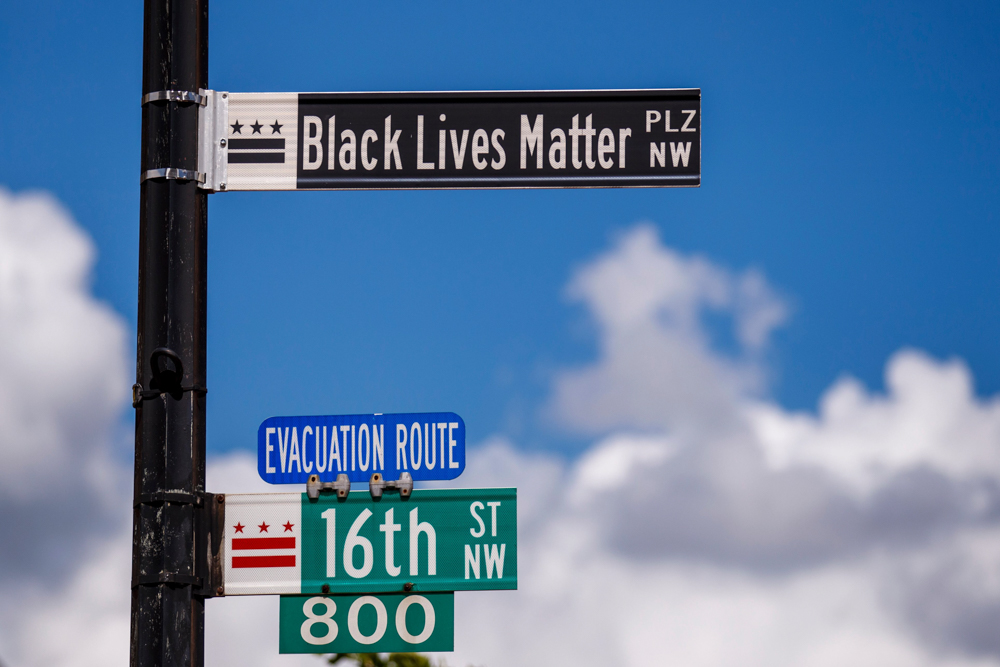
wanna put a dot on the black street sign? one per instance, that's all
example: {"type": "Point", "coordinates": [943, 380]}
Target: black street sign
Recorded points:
{"type": "Point", "coordinates": [519, 139]}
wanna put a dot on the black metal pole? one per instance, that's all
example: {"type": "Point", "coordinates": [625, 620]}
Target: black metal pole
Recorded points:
{"type": "Point", "coordinates": [167, 591]}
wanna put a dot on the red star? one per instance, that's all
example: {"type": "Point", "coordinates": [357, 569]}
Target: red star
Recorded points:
{"type": "Point", "coordinates": [288, 526]}
{"type": "Point", "coordinates": [239, 527]}
{"type": "Point", "coordinates": [263, 527]}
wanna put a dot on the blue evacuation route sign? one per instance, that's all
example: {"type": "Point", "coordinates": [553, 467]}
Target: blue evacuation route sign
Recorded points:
{"type": "Point", "coordinates": [428, 445]}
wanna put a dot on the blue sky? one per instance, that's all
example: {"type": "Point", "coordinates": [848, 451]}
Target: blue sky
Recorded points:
{"type": "Point", "coordinates": [850, 154]}
{"type": "Point", "coordinates": [850, 157]}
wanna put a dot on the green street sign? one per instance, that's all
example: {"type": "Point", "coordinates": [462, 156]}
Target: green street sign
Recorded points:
{"type": "Point", "coordinates": [367, 623]}
{"type": "Point", "coordinates": [435, 540]}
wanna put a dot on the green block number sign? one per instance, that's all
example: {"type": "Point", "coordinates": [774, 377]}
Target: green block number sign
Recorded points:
{"type": "Point", "coordinates": [367, 623]}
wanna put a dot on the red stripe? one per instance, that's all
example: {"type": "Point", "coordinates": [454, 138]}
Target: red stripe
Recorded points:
{"type": "Point", "coordinates": [263, 543]}
{"type": "Point", "coordinates": [263, 561]}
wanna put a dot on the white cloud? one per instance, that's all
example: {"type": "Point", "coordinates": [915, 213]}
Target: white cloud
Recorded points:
{"type": "Point", "coordinates": [63, 377]}
{"type": "Point", "coordinates": [79, 622]}
{"type": "Point", "coordinates": [707, 525]}
{"type": "Point", "coordinates": [712, 527]}
{"type": "Point", "coordinates": [585, 599]}
{"type": "Point", "coordinates": [63, 386]}
{"type": "Point", "coordinates": [929, 417]}
{"type": "Point", "coordinates": [657, 367]}
{"type": "Point", "coordinates": [620, 461]}
{"type": "Point", "coordinates": [751, 535]}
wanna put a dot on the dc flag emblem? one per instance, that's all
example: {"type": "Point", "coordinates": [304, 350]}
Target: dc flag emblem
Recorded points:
{"type": "Point", "coordinates": [263, 543]}
{"type": "Point", "coordinates": [267, 148]}
{"type": "Point", "coordinates": [262, 141]}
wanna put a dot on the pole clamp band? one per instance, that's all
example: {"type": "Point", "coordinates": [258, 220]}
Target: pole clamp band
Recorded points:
{"type": "Point", "coordinates": [182, 96]}
{"type": "Point", "coordinates": [171, 174]}
{"type": "Point", "coordinates": [139, 394]}
{"type": "Point", "coordinates": [164, 577]}
{"type": "Point", "coordinates": [174, 497]}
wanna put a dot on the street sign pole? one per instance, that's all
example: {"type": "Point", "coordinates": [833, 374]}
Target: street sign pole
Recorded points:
{"type": "Point", "coordinates": [167, 624]}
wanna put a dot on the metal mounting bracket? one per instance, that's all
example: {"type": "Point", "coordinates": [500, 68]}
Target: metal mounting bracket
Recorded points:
{"type": "Point", "coordinates": [209, 513]}
{"type": "Point", "coordinates": [213, 112]}
{"type": "Point", "coordinates": [212, 150]}
{"type": "Point", "coordinates": [377, 484]}
{"type": "Point", "coordinates": [342, 486]}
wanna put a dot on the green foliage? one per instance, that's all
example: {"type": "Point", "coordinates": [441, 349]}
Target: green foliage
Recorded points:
{"type": "Point", "coordinates": [381, 659]}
